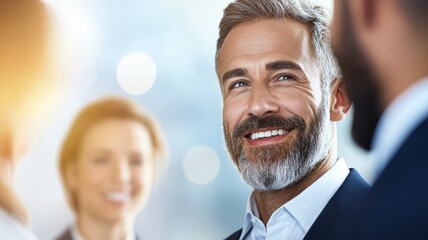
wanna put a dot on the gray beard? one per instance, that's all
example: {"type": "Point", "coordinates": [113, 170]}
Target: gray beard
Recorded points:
{"type": "Point", "coordinates": [263, 170]}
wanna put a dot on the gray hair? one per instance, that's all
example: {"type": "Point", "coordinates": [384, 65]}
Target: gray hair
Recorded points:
{"type": "Point", "coordinates": [314, 17]}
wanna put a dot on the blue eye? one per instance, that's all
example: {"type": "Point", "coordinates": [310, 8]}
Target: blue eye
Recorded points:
{"type": "Point", "coordinates": [238, 84]}
{"type": "Point", "coordinates": [285, 77]}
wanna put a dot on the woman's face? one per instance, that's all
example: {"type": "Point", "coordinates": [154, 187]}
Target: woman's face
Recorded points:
{"type": "Point", "coordinates": [114, 171]}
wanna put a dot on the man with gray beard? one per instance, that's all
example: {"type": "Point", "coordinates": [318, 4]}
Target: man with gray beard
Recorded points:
{"type": "Point", "coordinates": [282, 96]}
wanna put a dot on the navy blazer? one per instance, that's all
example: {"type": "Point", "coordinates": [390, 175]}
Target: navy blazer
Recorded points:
{"type": "Point", "coordinates": [397, 205]}
{"type": "Point", "coordinates": [338, 209]}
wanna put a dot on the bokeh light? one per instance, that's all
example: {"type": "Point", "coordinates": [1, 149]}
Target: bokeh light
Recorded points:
{"type": "Point", "coordinates": [136, 73]}
{"type": "Point", "coordinates": [201, 164]}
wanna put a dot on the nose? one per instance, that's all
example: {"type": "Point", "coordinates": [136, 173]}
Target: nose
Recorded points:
{"type": "Point", "coordinates": [122, 172]}
{"type": "Point", "coordinates": [262, 102]}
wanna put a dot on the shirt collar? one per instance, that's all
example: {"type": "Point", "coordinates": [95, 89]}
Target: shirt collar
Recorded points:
{"type": "Point", "coordinates": [397, 122]}
{"type": "Point", "coordinates": [250, 212]}
{"type": "Point", "coordinates": [305, 208]}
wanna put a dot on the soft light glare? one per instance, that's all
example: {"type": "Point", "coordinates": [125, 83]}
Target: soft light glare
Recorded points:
{"type": "Point", "coordinates": [201, 165]}
{"type": "Point", "coordinates": [136, 73]}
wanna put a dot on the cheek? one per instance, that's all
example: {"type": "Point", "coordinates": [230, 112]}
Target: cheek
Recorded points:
{"type": "Point", "coordinates": [88, 187]}
{"type": "Point", "coordinates": [233, 112]}
{"type": "Point", "coordinates": [142, 181]}
{"type": "Point", "coordinates": [92, 179]}
{"type": "Point", "coordinates": [298, 103]}
{"type": "Point", "coordinates": [86, 180]}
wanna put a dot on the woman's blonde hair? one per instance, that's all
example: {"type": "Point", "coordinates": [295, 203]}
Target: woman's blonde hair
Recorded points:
{"type": "Point", "coordinates": [24, 30]}
{"type": "Point", "coordinates": [108, 108]}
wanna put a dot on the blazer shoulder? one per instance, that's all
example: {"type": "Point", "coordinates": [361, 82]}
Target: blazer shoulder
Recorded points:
{"type": "Point", "coordinates": [339, 209]}
{"type": "Point", "coordinates": [235, 235]}
{"type": "Point", "coordinates": [353, 188]}
{"type": "Point", "coordinates": [396, 207]}
{"type": "Point", "coordinates": [353, 185]}
{"type": "Point", "coordinates": [410, 159]}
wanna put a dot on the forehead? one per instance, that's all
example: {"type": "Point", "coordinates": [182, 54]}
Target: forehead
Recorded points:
{"type": "Point", "coordinates": [271, 38]}
{"type": "Point", "coordinates": [116, 132]}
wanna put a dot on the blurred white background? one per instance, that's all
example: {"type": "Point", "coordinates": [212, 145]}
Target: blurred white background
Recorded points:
{"type": "Point", "coordinates": [107, 45]}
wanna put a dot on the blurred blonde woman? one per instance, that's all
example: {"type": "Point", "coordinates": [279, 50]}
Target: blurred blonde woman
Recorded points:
{"type": "Point", "coordinates": [24, 85]}
{"type": "Point", "coordinates": [108, 162]}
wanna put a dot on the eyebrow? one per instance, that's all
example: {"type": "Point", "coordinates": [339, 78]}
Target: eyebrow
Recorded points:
{"type": "Point", "coordinates": [100, 151]}
{"type": "Point", "coordinates": [278, 65]}
{"type": "Point", "coordinates": [237, 72]}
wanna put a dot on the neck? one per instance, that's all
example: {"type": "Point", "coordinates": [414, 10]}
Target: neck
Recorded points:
{"type": "Point", "coordinates": [269, 201]}
{"type": "Point", "coordinates": [93, 229]}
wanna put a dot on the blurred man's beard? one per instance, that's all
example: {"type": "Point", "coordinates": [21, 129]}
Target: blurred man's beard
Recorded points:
{"type": "Point", "coordinates": [276, 166]}
{"type": "Point", "coordinates": [360, 81]}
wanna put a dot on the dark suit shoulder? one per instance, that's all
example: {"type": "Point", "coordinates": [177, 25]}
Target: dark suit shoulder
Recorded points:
{"type": "Point", "coordinates": [66, 235]}
{"type": "Point", "coordinates": [352, 189]}
{"type": "Point", "coordinates": [337, 212]}
{"type": "Point", "coordinates": [235, 235]}
{"type": "Point", "coordinates": [398, 199]}
{"type": "Point", "coordinates": [409, 159]}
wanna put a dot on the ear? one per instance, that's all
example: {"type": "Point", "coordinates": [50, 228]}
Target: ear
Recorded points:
{"type": "Point", "coordinates": [339, 102]}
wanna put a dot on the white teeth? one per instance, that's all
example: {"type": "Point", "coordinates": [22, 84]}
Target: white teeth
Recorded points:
{"type": "Point", "coordinates": [276, 132]}
{"type": "Point", "coordinates": [118, 196]}
{"type": "Point", "coordinates": [253, 136]}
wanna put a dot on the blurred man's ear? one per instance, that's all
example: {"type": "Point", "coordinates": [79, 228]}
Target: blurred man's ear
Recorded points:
{"type": "Point", "coordinates": [339, 102]}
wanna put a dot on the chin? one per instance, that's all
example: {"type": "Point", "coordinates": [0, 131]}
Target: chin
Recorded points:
{"type": "Point", "coordinates": [114, 217]}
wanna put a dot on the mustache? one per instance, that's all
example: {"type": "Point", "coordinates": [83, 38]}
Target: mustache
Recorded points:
{"type": "Point", "coordinates": [253, 123]}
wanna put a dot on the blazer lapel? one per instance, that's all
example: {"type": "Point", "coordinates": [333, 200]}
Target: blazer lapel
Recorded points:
{"type": "Point", "coordinates": [339, 209]}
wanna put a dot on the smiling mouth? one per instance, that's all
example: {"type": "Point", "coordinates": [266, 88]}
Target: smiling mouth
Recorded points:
{"type": "Point", "coordinates": [266, 134]}
{"type": "Point", "coordinates": [118, 196]}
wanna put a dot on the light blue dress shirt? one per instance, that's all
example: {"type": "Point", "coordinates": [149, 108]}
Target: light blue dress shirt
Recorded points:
{"type": "Point", "coordinates": [398, 121]}
{"type": "Point", "coordinates": [294, 219]}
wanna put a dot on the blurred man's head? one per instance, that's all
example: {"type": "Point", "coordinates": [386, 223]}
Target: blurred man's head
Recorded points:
{"type": "Point", "coordinates": [280, 90]}
{"type": "Point", "coordinates": [25, 74]}
{"type": "Point", "coordinates": [382, 49]}
{"type": "Point", "coordinates": [24, 59]}
{"type": "Point", "coordinates": [24, 84]}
